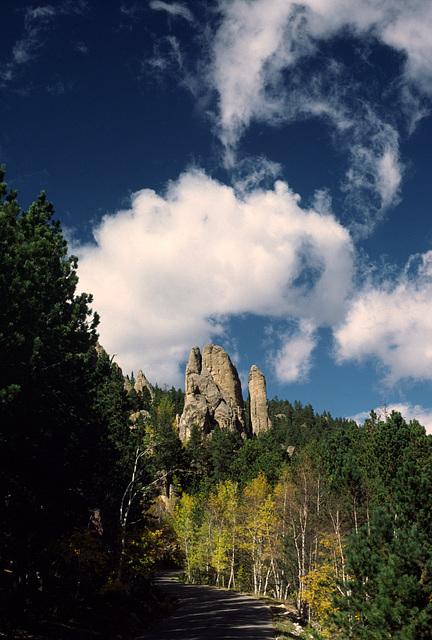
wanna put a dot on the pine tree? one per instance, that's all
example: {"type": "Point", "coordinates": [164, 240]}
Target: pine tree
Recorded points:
{"type": "Point", "coordinates": [389, 561]}
{"type": "Point", "coordinates": [389, 589]}
{"type": "Point", "coordinates": [49, 431]}
{"type": "Point", "coordinates": [197, 459]}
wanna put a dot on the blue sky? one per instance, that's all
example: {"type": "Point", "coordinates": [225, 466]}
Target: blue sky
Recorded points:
{"type": "Point", "coordinates": [256, 174]}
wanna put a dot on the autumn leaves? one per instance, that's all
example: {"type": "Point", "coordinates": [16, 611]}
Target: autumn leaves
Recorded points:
{"type": "Point", "coordinates": [265, 540]}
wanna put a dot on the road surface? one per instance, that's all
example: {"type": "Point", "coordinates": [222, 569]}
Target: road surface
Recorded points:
{"type": "Point", "coordinates": [205, 613]}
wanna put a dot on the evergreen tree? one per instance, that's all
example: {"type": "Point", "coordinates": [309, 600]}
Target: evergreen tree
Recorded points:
{"type": "Point", "coordinates": [388, 594]}
{"type": "Point", "coordinates": [197, 459]}
{"type": "Point", "coordinates": [122, 436]}
{"type": "Point", "coordinates": [49, 431]}
{"type": "Point", "coordinates": [344, 475]}
{"type": "Point", "coordinates": [389, 561]}
{"type": "Point", "coordinates": [224, 447]}
{"type": "Point", "coordinates": [168, 458]}
{"type": "Point", "coordinates": [261, 454]}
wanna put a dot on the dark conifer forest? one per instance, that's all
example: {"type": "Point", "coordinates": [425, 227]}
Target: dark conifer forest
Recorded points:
{"type": "Point", "coordinates": [98, 491]}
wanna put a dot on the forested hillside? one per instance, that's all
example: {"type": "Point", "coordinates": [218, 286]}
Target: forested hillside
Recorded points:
{"type": "Point", "coordinates": [98, 490]}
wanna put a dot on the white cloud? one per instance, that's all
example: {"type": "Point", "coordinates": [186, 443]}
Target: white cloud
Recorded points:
{"type": "Point", "coordinates": [391, 324]}
{"type": "Point", "coordinates": [375, 172]}
{"type": "Point", "coordinates": [409, 31]}
{"type": "Point", "coordinates": [401, 24]}
{"type": "Point", "coordinates": [293, 360]}
{"type": "Point", "coordinates": [169, 272]}
{"type": "Point", "coordinates": [251, 47]}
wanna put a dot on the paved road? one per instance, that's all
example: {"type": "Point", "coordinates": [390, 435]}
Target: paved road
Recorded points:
{"type": "Point", "coordinates": [211, 614]}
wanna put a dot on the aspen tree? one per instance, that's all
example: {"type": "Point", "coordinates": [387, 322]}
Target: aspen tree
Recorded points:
{"type": "Point", "coordinates": [225, 504]}
{"type": "Point", "coordinates": [258, 519]}
{"type": "Point", "coordinates": [320, 583]}
{"type": "Point", "coordinates": [186, 526]}
{"type": "Point", "coordinates": [297, 495]}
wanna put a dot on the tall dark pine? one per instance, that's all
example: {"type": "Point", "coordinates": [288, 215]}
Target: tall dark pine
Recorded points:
{"type": "Point", "coordinates": [48, 431]}
{"type": "Point", "coordinates": [389, 562]}
{"type": "Point", "coordinates": [389, 590]}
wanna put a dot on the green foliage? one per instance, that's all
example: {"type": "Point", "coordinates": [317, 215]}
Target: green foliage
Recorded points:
{"type": "Point", "coordinates": [198, 460]}
{"type": "Point", "coordinates": [174, 396]}
{"type": "Point", "coordinates": [223, 447]}
{"type": "Point", "coordinates": [115, 405]}
{"type": "Point", "coordinates": [389, 590]}
{"type": "Point", "coordinates": [168, 454]}
{"type": "Point", "coordinates": [80, 565]}
{"type": "Point", "coordinates": [139, 400]}
{"type": "Point", "coordinates": [261, 454]}
{"type": "Point", "coordinates": [389, 561]}
{"type": "Point", "coordinates": [296, 425]}
{"type": "Point", "coordinates": [314, 534]}
{"type": "Point", "coordinates": [50, 432]}
{"type": "Point", "coordinates": [65, 429]}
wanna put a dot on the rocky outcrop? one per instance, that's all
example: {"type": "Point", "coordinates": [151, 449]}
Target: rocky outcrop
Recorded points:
{"type": "Point", "coordinates": [258, 401]}
{"type": "Point", "coordinates": [101, 353]}
{"type": "Point", "coordinates": [134, 417]}
{"type": "Point", "coordinates": [213, 393]}
{"type": "Point", "coordinates": [142, 383]}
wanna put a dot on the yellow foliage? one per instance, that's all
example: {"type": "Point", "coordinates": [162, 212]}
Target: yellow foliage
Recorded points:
{"type": "Point", "coordinates": [186, 525]}
{"type": "Point", "coordinates": [222, 514]}
{"type": "Point", "coordinates": [81, 549]}
{"type": "Point", "coordinates": [142, 551]}
{"type": "Point", "coordinates": [80, 560]}
{"type": "Point", "coordinates": [320, 583]}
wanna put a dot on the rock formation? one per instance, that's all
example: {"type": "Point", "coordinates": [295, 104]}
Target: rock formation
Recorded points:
{"type": "Point", "coordinates": [213, 393]}
{"type": "Point", "coordinates": [258, 401]}
{"type": "Point", "coordinates": [142, 383]}
{"type": "Point", "coordinates": [134, 417]}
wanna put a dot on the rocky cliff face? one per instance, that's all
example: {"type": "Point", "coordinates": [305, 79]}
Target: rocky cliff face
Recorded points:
{"type": "Point", "coordinates": [258, 401]}
{"type": "Point", "coordinates": [213, 393]}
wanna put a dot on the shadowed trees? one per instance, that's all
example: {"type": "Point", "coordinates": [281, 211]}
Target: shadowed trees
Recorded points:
{"type": "Point", "coordinates": [49, 431]}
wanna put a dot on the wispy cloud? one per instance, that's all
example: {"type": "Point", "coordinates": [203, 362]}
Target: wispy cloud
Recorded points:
{"type": "Point", "coordinates": [167, 58]}
{"type": "Point", "coordinates": [408, 29]}
{"type": "Point", "coordinates": [270, 61]}
{"type": "Point", "coordinates": [37, 23]}
{"type": "Point", "coordinates": [58, 88]}
{"type": "Point", "coordinates": [171, 271]}
{"type": "Point", "coordinates": [273, 62]}
{"type": "Point", "coordinates": [81, 47]}
{"type": "Point", "coordinates": [174, 9]}
{"type": "Point", "coordinates": [261, 71]}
